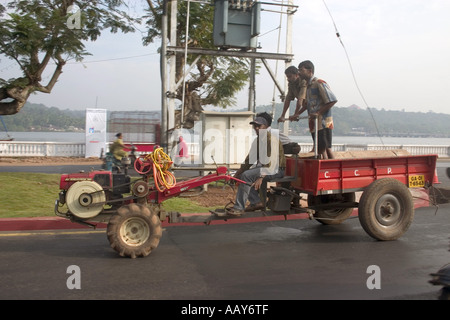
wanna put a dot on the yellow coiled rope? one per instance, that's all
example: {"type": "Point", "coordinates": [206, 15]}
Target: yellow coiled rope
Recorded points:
{"type": "Point", "coordinates": [164, 179]}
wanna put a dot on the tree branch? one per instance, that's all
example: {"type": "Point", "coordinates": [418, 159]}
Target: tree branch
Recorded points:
{"type": "Point", "coordinates": [58, 71]}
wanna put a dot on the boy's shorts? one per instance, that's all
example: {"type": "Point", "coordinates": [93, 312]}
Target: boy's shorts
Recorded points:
{"type": "Point", "coordinates": [325, 139]}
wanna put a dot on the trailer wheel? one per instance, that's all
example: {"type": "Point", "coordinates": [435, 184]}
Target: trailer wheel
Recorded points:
{"type": "Point", "coordinates": [386, 209]}
{"type": "Point", "coordinates": [331, 215]}
{"type": "Point", "coordinates": [134, 231]}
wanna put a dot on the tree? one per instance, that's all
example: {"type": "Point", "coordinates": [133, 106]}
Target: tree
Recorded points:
{"type": "Point", "coordinates": [37, 32]}
{"type": "Point", "coordinates": [214, 80]}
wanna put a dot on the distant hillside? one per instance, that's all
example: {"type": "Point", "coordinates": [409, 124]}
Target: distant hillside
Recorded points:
{"type": "Point", "coordinates": [38, 117]}
{"type": "Point", "coordinates": [348, 121]}
{"type": "Point", "coordinates": [357, 121]}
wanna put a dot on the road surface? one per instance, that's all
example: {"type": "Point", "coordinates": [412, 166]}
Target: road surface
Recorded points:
{"type": "Point", "coordinates": [278, 260]}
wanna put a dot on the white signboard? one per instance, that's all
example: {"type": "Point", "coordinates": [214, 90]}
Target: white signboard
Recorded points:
{"type": "Point", "coordinates": [95, 132]}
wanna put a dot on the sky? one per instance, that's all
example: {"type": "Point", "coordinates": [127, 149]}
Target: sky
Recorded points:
{"type": "Point", "coordinates": [398, 51]}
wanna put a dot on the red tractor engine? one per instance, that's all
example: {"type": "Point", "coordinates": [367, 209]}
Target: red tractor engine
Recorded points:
{"type": "Point", "coordinates": [85, 194]}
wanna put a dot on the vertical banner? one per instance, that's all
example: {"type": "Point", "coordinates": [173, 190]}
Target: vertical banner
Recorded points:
{"type": "Point", "coordinates": [95, 132]}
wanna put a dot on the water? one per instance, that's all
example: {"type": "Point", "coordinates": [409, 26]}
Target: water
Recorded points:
{"type": "Point", "coordinates": [46, 136]}
{"type": "Point", "coordinates": [378, 140]}
{"type": "Point", "coordinates": [80, 137]}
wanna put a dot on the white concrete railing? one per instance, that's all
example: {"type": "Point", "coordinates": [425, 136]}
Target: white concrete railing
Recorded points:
{"type": "Point", "coordinates": [440, 150]}
{"type": "Point", "coordinates": [41, 149]}
{"type": "Point", "coordinates": [74, 149]}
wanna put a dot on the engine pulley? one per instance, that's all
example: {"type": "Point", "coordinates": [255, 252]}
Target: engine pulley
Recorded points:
{"type": "Point", "coordinates": [140, 189]}
{"type": "Point", "coordinates": [85, 199]}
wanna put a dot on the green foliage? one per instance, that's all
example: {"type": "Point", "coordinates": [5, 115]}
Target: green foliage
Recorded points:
{"type": "Point", "coordinates": [217, 79]}
{"type": "Point", "coordinates": [33, 195]}
{"type": "Point", "coordinates": [183, 205]}
{"type": "Point", "coordinates": [231, 77]}
{"type": "Point", "coordinates": [28, 194]}
{"type": "Point", "coordinates": [34, 33]}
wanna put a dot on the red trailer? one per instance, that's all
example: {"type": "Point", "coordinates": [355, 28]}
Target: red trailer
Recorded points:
{"type": "Point", "coordinates": [133, 208]}
{"type": "Point", "coordinates": [385, 207]}
{"type": "Point", "coordinates": [321, 177]}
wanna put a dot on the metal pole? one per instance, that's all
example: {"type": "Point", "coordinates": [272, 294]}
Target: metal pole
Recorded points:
{"type": "Point", "coordinates": [289, 20]}
{"type": "Point", "coordinates": [251, 90]}
{"type": "Point", "coordinates": [316, 141]}
{"type": "Point", "coordinates": [183, 100]}
{"type": "Point", "coordinates": [163, 70]}
{"type": "Point", "coordinates": [172, 62]}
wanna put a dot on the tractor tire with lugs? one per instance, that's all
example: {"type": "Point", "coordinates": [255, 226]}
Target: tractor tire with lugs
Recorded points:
{"type": "Point", "coordinates": [134, 231]}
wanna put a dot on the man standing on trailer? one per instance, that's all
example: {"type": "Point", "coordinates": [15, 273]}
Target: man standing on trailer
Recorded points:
{"type": "Point", "coordinates": [296, 90]}
{"type": "Point", "coordinates": [319, 101]}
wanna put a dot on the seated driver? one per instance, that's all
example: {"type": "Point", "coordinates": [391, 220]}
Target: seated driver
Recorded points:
{"type": "Point", "coordinates": [264, 162]}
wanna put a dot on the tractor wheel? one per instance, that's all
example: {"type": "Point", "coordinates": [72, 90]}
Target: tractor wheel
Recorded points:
{"type": "Point", "coordinates": [386, 209]}
{"type": "Point", "coordinates": [134, 231]}
{"type": "Point", "coordinates": [330, 215]}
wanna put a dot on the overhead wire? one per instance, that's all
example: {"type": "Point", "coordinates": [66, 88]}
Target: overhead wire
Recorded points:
{"type": "Point", "coordinates": [114, 59]}
{"type": "Point", "coordinates": [353, 73]}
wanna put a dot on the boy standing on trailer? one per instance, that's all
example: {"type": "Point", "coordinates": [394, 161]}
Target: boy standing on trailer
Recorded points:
{"type": "Point", "coordinates": [319, 101]}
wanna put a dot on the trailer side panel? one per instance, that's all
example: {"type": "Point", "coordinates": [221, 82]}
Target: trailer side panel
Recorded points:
{"type": "Point", "coordinates": [318, 177]}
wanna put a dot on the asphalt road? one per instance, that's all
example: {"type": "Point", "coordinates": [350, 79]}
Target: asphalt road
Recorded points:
{"type": "Point", "coordinates": [282, 260]}
{"type": "Point", "coordinates": [294, 259]}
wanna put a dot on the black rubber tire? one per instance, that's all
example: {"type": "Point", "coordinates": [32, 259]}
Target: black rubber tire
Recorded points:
{"type": "Point", "coordinates": [134, 231]}
{"type": "Point", "coordinates": [331, 216]}
{"type": "Point", "coordinates": [386, 209]}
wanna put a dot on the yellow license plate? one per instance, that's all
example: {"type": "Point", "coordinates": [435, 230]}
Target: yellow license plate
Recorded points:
{"type": "Point", "coordinates": [417, 181]}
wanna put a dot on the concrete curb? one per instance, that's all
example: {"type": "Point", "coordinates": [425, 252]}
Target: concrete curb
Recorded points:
{"type": "Point", "coordinates": [40, 223]}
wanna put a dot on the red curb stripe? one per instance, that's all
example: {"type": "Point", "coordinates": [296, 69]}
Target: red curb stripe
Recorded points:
{"type": "Point", "coordinates": [58, 223]}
